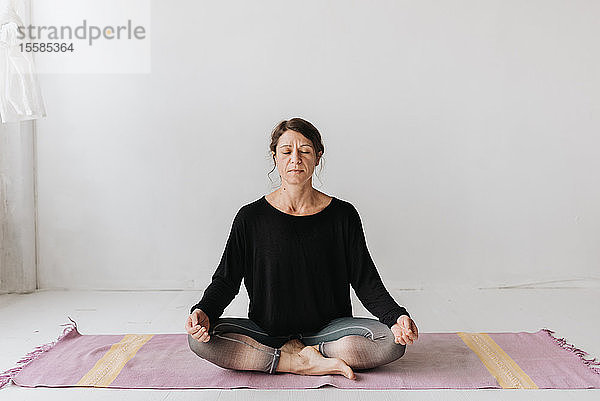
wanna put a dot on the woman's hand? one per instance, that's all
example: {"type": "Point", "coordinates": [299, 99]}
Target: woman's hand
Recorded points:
{"type": "Point", "coordinates": [197, 325]}
{"type": "Point", "coordinates": [405, 330]}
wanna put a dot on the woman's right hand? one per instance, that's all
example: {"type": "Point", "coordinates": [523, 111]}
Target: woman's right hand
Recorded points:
{"type": "Point", "coordinates": [197, 325]}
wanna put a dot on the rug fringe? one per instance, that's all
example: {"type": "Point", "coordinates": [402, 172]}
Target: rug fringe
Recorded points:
{"type": "Point", "coordinates": [593, 363]}
{"type": "Point", "coordinates": [5, 377]}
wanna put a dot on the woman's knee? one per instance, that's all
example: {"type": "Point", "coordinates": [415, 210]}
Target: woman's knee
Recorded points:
{"type": "Point", "coordinates": [365, 353]}
{"type": "Point", "coordinates": [195, 345]}
{"type": "Point", "coordinates": [208, 352]}
{"type": "Point", "coordinates": [395, 351]}
{"type": "Point", "coordinates": [387, 350]}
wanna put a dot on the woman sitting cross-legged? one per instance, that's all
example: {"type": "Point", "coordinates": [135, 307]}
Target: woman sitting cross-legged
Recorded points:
{"type": "Point", "coordinates": [298, 250]}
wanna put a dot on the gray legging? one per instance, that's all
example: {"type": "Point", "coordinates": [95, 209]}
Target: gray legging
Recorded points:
{"type": "Point", "coordinates": [239, 343]}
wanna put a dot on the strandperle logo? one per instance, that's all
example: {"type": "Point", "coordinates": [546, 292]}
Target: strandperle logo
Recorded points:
{"type": "Point", "coordinates": [84, 31]}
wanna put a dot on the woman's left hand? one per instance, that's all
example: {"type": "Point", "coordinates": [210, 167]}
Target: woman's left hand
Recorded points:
{"type": "Point", "coordinates": [405, 330]}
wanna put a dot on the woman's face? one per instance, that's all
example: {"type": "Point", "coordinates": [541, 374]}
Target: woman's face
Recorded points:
{"type": "Point", "coordinates": [295, 158]}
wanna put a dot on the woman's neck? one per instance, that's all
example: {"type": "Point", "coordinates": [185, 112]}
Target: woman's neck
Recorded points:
{"type": "Point", "coordinates": [296, 200]}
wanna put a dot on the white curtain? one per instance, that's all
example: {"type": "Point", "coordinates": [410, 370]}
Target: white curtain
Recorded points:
{"type": "Point", "coordinates": [20, 103]}
{"type": "Point", "coordinates": [20, 96]}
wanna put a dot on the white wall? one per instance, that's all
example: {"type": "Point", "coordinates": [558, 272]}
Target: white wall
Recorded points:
{"type": "Point", "coordinates": [17, 208]}
{"type": "Point", "coordinates": [465, 132]}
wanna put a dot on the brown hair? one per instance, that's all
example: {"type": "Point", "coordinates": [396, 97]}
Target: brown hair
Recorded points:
{"type": "Point", "coordinates": [303, 127]}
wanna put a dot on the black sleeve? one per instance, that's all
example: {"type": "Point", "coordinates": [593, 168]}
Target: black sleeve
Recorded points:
{"type": "Point", "coordinates": [227, 278]}
{"type": "Point", "coordinates": [365, 278]}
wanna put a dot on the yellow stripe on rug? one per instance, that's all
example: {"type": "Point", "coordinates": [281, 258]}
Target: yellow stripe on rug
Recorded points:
{"type": "Point", "coordinates": [110, 365]}
{"type": "Point", "coordinates": [498, 363]}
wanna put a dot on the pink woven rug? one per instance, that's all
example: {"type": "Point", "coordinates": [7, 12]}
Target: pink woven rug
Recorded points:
{"type": "Point", "coordinates": [435, 361]}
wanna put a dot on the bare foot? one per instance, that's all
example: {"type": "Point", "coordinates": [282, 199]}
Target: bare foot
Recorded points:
{"type": "Point", "coordinates": [293, 346]}
{"type": "Point", "coordinates": [313, 363]}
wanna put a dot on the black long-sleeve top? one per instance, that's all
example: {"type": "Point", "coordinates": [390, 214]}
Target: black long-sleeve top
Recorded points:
{"type": "Point", "coordinates": [297, 269]}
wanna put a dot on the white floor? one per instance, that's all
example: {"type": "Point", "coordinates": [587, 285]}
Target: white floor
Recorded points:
{"type": "Point", "coordinates": [29, 320]}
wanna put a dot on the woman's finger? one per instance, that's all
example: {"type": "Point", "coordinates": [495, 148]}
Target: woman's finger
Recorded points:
{"type": "Point", "coordinates": [410, 334]}
{"type": "Point", "coordinates": [188, 324]}
{"type": "Point", "coordinates": [192, 329]}
{"type": "Point", "coordinates": [415, 329]}
{"type": "Point", "coordinates": [203, 332]}
{"type": "Point", "coordinates": [198, 333]}
{"type": "Point", "coordinates": [415, 335]}
{"type": "Point", "coordinates": [398, 340]}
